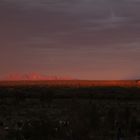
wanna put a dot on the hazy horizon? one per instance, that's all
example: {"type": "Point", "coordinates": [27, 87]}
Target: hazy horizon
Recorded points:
{"type": "Point", "coordinates": [42, 77]}
{"type": "Point", "coordinates": [82, 39]}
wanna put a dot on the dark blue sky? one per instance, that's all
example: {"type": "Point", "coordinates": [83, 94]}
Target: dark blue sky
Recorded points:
{"type": "Point", "coordinates": [84, 39]}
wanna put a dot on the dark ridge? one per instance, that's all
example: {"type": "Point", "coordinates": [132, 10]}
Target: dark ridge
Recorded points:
{"type": "Point", "coordinates": [73, 83]}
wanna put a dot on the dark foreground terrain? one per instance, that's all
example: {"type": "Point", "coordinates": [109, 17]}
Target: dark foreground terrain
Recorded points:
{"type": "Point", "coordinates": [69, 113]}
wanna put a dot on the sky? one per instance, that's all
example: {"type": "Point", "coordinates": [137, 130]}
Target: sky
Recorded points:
{"type": "Point", "coordinates": [82, 39]}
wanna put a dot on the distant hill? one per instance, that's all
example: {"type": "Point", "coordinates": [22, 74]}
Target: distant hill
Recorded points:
{"type": "Point", "coordinates": [33, 77]}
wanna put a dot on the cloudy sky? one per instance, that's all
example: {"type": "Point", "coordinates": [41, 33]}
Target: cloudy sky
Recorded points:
{"type": "Point", "coordinates": [84, 39]}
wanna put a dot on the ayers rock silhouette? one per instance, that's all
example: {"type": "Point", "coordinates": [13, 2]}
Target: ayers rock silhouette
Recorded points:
{"type": "Point", "coordinates": [32, 77]}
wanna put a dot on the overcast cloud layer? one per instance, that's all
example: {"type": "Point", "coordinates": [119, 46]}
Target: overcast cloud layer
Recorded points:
{"type": "Point", "coordinates": [85, 39]}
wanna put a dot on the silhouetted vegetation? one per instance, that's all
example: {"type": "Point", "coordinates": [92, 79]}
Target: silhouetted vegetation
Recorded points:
{"type": "Point", "coordinates": [69, 113]}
